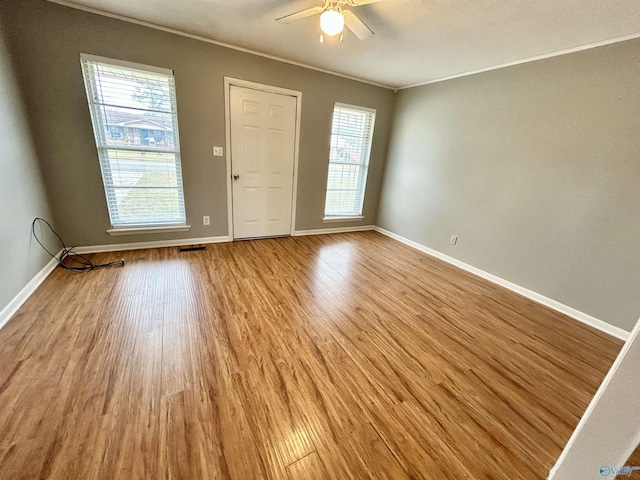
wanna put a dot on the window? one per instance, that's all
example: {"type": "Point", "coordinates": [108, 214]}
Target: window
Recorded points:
{"type": "Point", "coordinates": [133, 110]}
{"type": "Point", "coordinates": [351, 134]}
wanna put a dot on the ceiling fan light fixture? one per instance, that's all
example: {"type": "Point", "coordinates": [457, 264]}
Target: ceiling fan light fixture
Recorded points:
{"type": "Point", "coordinates": [331, 22]}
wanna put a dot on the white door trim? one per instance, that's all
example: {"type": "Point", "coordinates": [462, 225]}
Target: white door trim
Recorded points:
{"type": "Point", "coordinates": [228, 82]}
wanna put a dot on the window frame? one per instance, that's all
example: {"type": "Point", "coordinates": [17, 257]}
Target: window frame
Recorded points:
{"type": "Point", "coordinates": [153, 226]}
{"type": "Point", "coordinates": [356, 215]}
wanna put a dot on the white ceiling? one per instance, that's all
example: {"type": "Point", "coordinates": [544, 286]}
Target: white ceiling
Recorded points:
{"type": "Point", "coordinates": [416, 41]}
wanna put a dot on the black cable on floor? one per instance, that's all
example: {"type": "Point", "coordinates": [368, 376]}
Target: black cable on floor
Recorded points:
{"type": "Point", "coordinates": [84, 263]}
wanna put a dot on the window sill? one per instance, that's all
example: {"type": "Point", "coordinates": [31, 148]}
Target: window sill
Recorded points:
{"type": "Point", "coordinates": [148, 229]}
{"type": "Point", "coordinates": [342, 219]}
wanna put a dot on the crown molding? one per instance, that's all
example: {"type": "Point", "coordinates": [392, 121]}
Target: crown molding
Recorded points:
{"type": "Point", "coordinates": [338, 74]}
{"type": "Point", "coordinates": [527, 60]}
{"type": "Point", "coordinates": [214, 42]}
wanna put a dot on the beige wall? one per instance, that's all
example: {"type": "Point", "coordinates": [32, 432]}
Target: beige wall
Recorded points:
{"type": "Point", "coordinates": [47, 40]}
{"type": "Point", "coordinates": [22, 193]}
{"type": "Point", "coordinates": [537, 168]}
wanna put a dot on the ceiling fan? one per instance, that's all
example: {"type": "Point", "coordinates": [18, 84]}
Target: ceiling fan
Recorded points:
{"type": "Point", "coordinates": [334, 17]}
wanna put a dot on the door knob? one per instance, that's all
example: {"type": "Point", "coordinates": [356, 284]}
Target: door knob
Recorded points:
{"type": "Point", "coordinates": [236, 177]}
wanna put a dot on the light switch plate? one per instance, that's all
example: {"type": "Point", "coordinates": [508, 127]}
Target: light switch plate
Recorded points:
{"type": "Point", "coordinates": [218, 151]}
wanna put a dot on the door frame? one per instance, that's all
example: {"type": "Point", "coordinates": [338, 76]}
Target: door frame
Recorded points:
{"type": "Point", "coordinates": [228, 83]}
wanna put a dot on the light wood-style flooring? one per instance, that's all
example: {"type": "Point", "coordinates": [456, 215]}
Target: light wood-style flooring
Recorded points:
{"type": "Point", "coordinates": [634, 460]}
{"type": "Point", "coordinates": [321, 357]}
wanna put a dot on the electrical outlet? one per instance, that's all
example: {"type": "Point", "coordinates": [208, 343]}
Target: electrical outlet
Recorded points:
{"type": "Point", "coordinates": [453, 240]}
{"type": "Point", "coordinates": [206, 220]}
{"type": "Point", "coordinates": [218, 151]}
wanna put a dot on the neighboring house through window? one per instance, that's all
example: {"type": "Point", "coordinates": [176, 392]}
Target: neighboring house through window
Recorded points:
{"type": "Point", "coordinates": [133, 110]}
{"type": "Point", "coordinates": [351, 135]}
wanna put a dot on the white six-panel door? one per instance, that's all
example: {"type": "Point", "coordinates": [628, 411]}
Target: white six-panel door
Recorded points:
{"type": "Point", "coordinates": [263, 134]}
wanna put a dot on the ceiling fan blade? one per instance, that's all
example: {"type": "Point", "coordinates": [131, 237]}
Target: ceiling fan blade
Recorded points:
{"type": "Point", "coordinates": [356, 25]}
{"type": "Point", "coordinates": [299, 15]}
{"type": "Point", "coordinates": [357, 3]}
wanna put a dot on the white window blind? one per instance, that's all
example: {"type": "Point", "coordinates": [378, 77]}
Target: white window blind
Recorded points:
{"type": "Point", "coordinates": [133, 110]}
{"type": "Point", "coordinates": [351, 134]}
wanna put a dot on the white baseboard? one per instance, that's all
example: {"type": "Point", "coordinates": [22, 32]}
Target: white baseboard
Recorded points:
{"type": "Point", "coordinates": [117, 247]}
{"type": "Point", "coordinates": [322, 231]}
{"type": "Point", "coordinates": [525, 292]}
{"type": "Point", "coordinates": [30, 287]}
{"type": "Point", "coordinates": [24, 294]}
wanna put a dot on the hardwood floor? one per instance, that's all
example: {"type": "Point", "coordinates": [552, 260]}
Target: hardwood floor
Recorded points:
{"type": "Point", "coordinates": [634, 461]}
{"type": "Point", "coordinates": [330, 356]}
